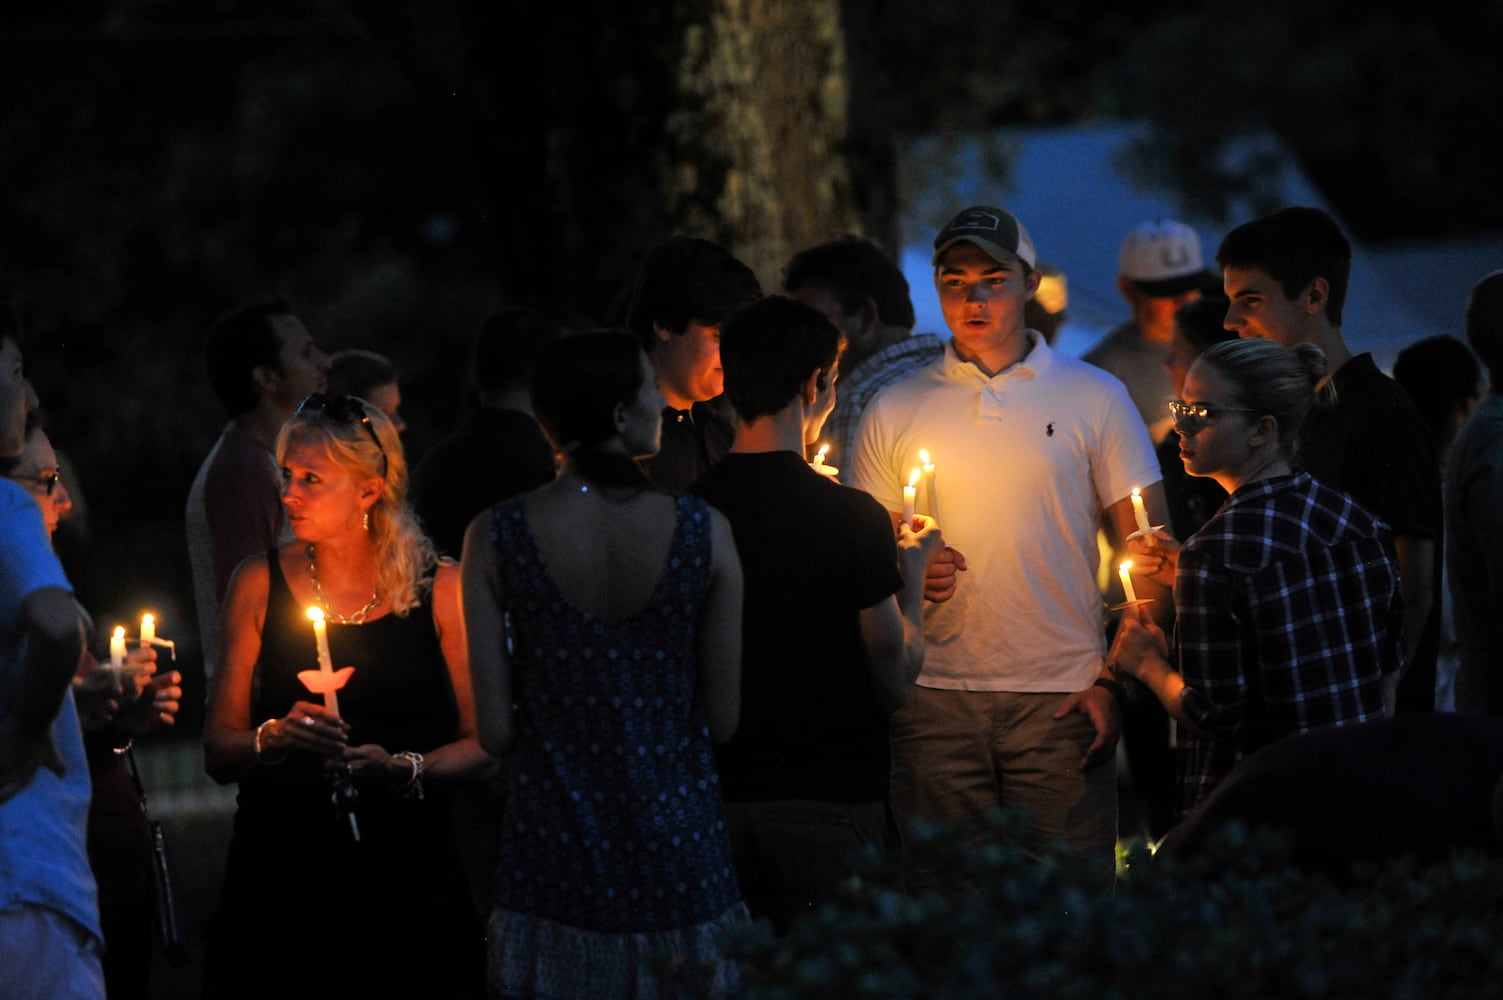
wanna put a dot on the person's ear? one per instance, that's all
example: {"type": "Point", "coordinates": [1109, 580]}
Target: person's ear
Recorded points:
{"type": "Point", "coordinates": [265, 379]}
{"type": "Point", "coordinates": [619, 416]}
{"type": "Point", "coordinates": [814, 385]}
{"type": "Point", "coordinates": [1264, 431]}
{"type": "Point", "coordinates": [1317, 294]}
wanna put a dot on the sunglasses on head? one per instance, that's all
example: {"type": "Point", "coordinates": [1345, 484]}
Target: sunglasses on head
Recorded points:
{"type": "Point", "coordinates": [44, 483]}
{"type": "Point", "coordinates": [1191, 417]}
{"type": "Point", "coordinates": [344, 410]}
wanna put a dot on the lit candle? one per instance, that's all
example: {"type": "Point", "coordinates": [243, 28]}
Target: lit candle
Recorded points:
{"type": "Point", "coordinates": [928, 467]}
{"type": "Point", "coordinates": [117, 647]}
{"type": "Point", "coordinates": [1144, 528]}
{"type": "Point", "coordinates": [819, 456]}
{"type": "Point", "coordinates": [910, 492]}
{"type": "Point", "coordinates": [1127, 590]}
{"type": "Point", "coordinates": [148, 630]}
{"type": "Point", "coordinates": [325, 661]}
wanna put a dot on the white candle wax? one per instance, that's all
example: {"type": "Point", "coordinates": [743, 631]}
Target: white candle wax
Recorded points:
{"type": "Point", "coordinates": [1127, 590]}
{"type": "Point", "coordinates": [117, 647]}
{"type": "Point", "coordinates": [928, 467]}
{"type": "Point", "coordinates": [1141, 514]}
{"type": "Point", "coordinates": [148, 630]}
{"type": "Point", "coordinates": [910, 492]}
{"type": "Point", "coordinates": [325, 661]}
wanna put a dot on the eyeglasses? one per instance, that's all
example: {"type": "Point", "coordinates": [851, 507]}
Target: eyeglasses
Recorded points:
{"type": "Point", "coordinates": [1191, 417]}
{"type": "Point", "coordinates": [346, 410]}
{"type": "Point", "coordinates": [44, 483]}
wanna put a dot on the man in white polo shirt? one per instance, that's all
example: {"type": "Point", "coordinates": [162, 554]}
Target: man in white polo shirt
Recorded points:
{"type": "Point", "coordinates": [1030, 449]}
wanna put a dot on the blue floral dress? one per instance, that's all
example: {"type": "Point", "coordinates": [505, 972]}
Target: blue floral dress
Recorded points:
{"type": "Point", "coordinates": [615, 876]}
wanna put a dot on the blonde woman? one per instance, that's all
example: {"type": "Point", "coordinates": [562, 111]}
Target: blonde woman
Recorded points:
{"type": "Point", "coordinates": [313, 902]}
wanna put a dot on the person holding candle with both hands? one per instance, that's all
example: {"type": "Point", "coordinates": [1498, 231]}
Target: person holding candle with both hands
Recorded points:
{"type": "Point", "coordinates": [388, 912]}
{"type": "Point", "coordinates": [1288, 611]}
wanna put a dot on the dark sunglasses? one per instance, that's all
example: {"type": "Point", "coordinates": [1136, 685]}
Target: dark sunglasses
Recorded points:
{"type": "Point", "coordinates": [1191, 417]}
{"type": "Point", "coordinates": [344, 410]}
{"type": "Point", "coordinates": [44, 482]}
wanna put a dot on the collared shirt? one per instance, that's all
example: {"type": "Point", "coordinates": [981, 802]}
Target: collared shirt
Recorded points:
{"type": "Point", "coordinates": [858, 387]}
{"type": "Point", "coordinates": [1287, 614]}
{"type": "Point", "coordinates": [1024, 463]}
{"type": "Point", "coordinates": [693, 441]}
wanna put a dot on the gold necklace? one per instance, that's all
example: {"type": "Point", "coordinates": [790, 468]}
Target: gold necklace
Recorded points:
{"type": "Point", "coordinates": [358, 618]}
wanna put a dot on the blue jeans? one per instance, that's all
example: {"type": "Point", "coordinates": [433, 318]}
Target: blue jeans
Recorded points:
{"type": "Point", "coordinates": [957, 754]}
{"type": "Point", "coordinates": [790, 854]}
{"type": "Point", "coordinates": [46, 954]}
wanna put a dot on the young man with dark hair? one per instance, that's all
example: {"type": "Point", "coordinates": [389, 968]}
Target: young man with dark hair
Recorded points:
{"type": "Point", "coordinates": [1286, 275]}
{"type": "Point", "coordinates": [372, 377]}
{"type": "Point", "coordinates": [261, 362]}
{"type": "Point", "coordinates": [861, 289]}
{"type": "Point", "coordinates": [1474, 515]}
{"type": "Point", "coordinates": [499, 451]}
{"type": "Point", "coordinates": [686, 286]}
{"type": "Point", "coordinates": [832, 628]}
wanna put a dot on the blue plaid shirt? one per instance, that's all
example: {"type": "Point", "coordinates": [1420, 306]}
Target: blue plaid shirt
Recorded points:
{"type": "Point", "coordinates": [857, 388]}
{"type": "Point", "coordinates": [1288, 612]}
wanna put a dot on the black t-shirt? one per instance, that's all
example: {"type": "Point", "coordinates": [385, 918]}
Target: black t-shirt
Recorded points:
{"type": "Point", "coordinates": [495, 455]}
{"type": "Point", "coordinates": [693, 441]}
{"type": "Point", "coordinates": [1374, 445]}
{"type": "Point", "coordinates": [813, 555]}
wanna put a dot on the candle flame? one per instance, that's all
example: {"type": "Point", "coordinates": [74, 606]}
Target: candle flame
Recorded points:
{"type": "Point", "coordinates": [1135, 491]}
{"type": "Point", "coordinates": [147, 621]}
{"type": "Point", "coordinates": [913, 478]}
{"type": "Point", "coordinates": [315, 614]}
{"type": "Point", "coordinates": [119, 631]}
{"type": "Point", "coordinates": [926, 460]}
{"type": "Point", "coordinates": [1126, 565]}
{"type": "Point", "coordinates": [824, 450]}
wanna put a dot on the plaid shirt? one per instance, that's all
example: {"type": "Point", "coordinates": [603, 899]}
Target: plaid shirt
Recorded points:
{"type": "Point", "coordinates": [857, 388]}
{"type": "Point", "coordinates": [1288, 612]}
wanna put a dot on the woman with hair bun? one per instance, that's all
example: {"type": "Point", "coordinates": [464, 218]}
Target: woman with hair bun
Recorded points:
{"type": "Point", "coordinates": [1287, 603]}
{"type": "Point", "coordinates": [604, 622]}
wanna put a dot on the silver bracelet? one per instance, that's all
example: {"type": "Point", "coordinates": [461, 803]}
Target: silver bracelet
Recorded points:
{"type": "Point", "coordinates": [260, 754]}
{"type": "Point", "coordinates": [413, 787]}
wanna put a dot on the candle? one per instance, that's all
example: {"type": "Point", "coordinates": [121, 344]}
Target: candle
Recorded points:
{"type": "Point", "coordinates": [325, 661]}
{"type": "Point", "coordinates": [819, 456]}
{"type": "Point", "coordinates": [909, 493]}
{"type": "Point", "coordinates": [1127, 590]}
{"type": "Point", "coordinates": [1144, 528]}
{"type": "Point", "coordinates": [148, 630]}
{"type": "Point", "coordinates": [117, 647]}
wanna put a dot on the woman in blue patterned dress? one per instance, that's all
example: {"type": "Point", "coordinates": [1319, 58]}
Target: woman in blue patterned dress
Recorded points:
{"type": "Point", "coordinates": [604, 624]}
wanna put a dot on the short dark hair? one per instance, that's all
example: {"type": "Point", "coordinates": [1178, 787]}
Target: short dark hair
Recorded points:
{"type": "Point", "coordinates": [853, 269]}
{"type": "Point", "coordinates": [1438, 373]}
{"type": "Point", "coordinates": [578, 382]}
{"type": "Point", "coordinates": [356, 371]}
{"type": "Point", "coordinates": [1294, 246]}
{"type": "Point", "coordinates": [1203, 322]}
{"type": "Point", "coordinates": [687, 279]}
{"type": "Point", "coordinates": [769, 349]}
{"type": "Point", "coordinates": [237, 344]}
{"type": "Point", "coordinates": [506, 348]}
{"type": "Point", "coordinates": [1484, 321]}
